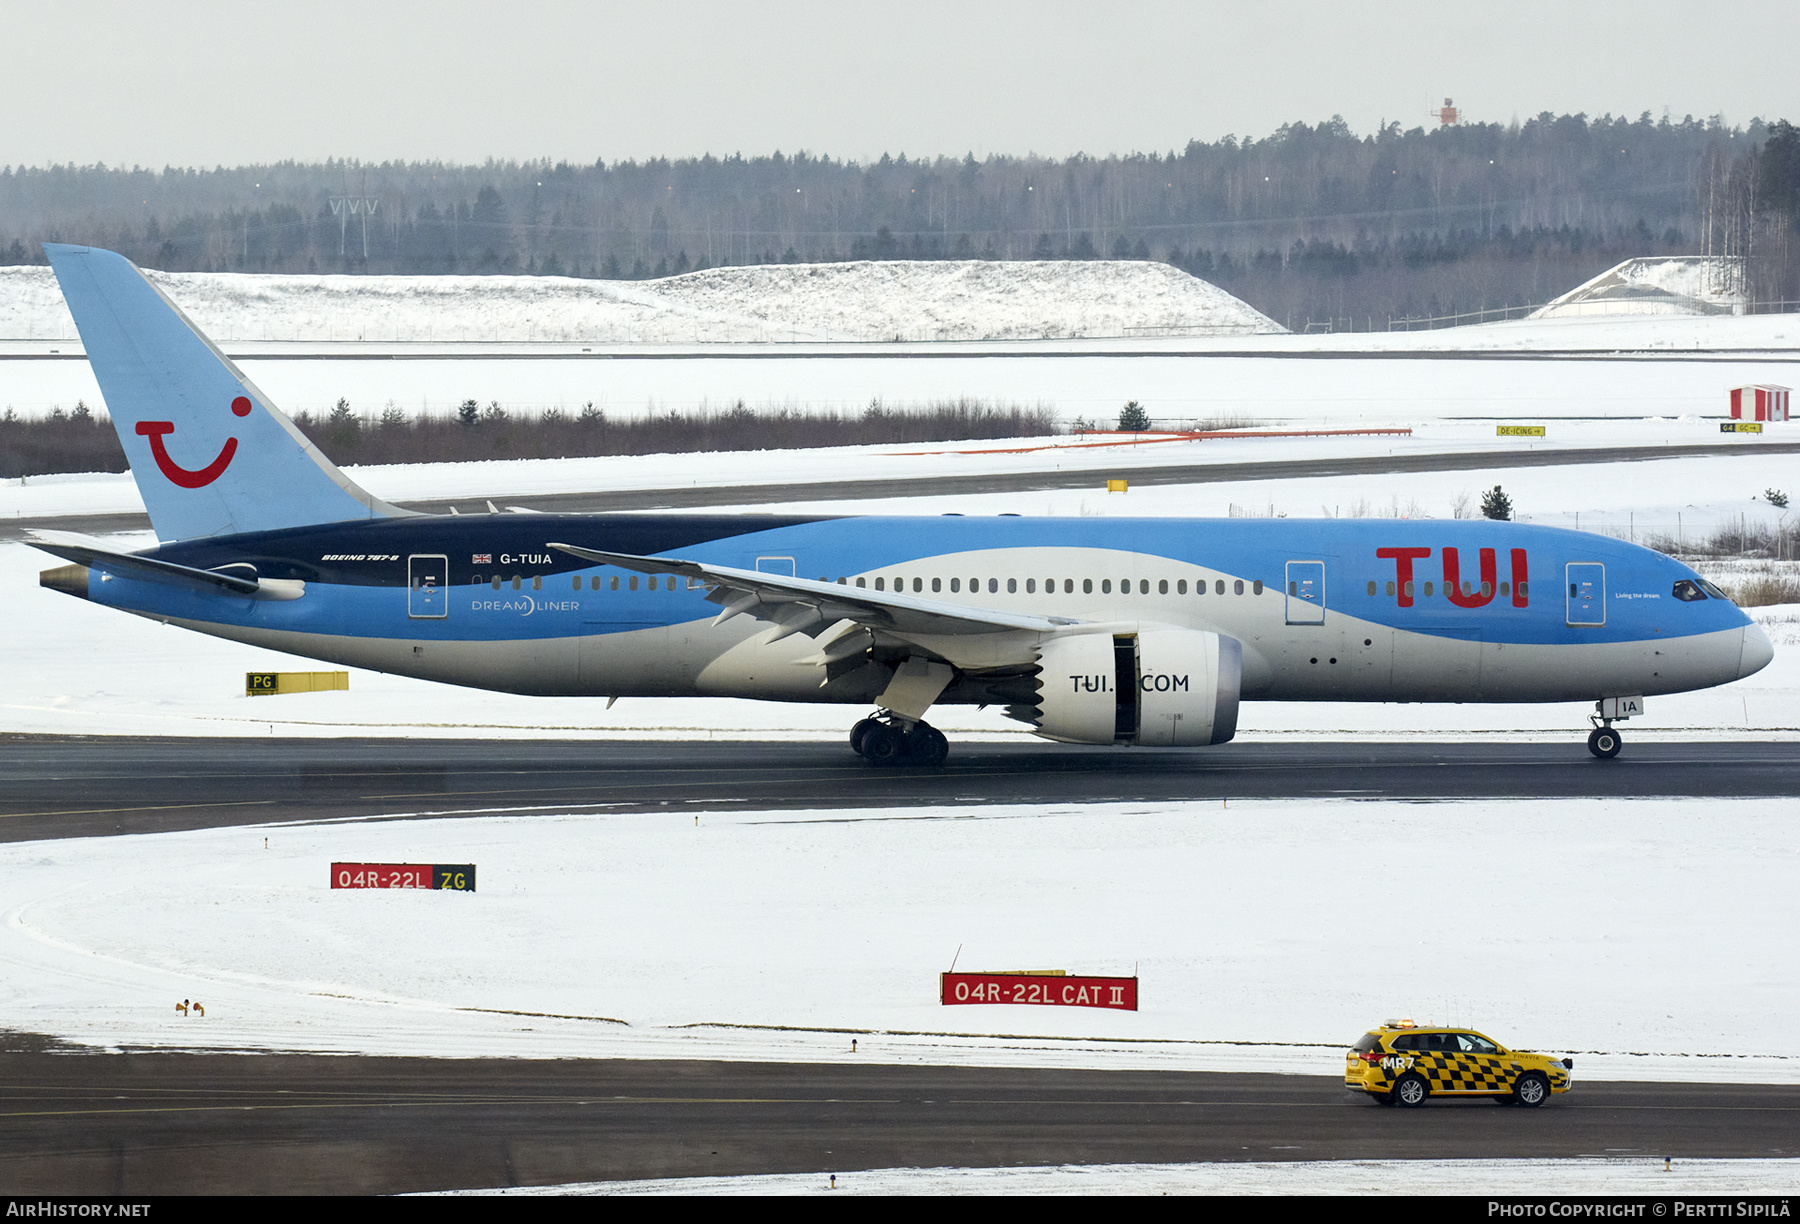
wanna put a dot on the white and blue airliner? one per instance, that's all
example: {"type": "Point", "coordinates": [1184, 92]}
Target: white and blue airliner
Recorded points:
{"type": "Point", "coordinates": [1089, 630]}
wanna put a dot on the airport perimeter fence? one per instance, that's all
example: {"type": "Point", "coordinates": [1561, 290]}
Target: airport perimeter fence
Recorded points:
{"type": "Point", "coordinates": [1755, 561]}
{"type": "Point", "coordinates": [60, 330]}
{"type": "Point", "coordinates": [1743, 537]}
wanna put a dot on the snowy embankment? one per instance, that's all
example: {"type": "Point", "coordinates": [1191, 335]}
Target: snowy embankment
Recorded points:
{"type": "Point", "coordinates": [1676, 285]}
{"type": "Point", "coordinates": [1121, 306]}
{"type": "Point", "coordinates": [862, 301]}
{"type": "Point", "coordinates": [1563, 1178]}
{"type": "Point", "coordinates": [970, 300]}
{"type": "Point", "coordinates": [1592, 929]}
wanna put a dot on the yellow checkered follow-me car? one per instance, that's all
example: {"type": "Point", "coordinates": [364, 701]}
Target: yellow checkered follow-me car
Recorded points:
{"type": "Point", "coordinates": [1402, 1063]}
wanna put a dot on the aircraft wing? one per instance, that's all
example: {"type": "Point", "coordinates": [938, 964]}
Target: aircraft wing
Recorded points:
{"type": "Point", "coordinates": [802, 605]}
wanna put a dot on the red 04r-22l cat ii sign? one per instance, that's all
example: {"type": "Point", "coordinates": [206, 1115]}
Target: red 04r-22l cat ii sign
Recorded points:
{"type": "Point", "coordinates": [1044, 989]}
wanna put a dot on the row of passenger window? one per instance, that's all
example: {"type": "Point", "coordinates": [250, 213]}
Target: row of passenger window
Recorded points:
{"type": "Point", "coordinates": [654, 582]}
{"type": "Point", "coordinates": [669, 582]}
{"type": "Point", "coordinates": [1468, 588]}
{"type": "Point", "coordinates": [1068, 585]}
{"type": "Point", "coordinates": [1683, 590]}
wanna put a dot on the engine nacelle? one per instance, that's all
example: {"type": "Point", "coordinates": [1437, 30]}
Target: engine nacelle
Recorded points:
{"type": "Point", "coordinates": [1157, 687]}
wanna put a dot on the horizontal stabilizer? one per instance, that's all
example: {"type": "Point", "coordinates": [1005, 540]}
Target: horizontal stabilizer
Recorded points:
{"type": "Point", "coordinates": [97, 556]}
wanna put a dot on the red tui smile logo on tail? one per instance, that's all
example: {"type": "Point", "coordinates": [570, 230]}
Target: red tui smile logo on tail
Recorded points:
{"type": "Point", "coordinates": [154, 430]}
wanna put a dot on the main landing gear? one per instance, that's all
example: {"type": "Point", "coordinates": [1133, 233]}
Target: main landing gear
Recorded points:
{"type": "Point", "coordinates": [886, 739]}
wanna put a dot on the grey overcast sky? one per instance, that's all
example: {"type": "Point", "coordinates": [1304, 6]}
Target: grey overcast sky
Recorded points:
{"type": "Point", "coordinates": [204, 83]}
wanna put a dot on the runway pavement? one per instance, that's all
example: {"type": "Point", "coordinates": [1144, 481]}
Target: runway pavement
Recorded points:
{"type": "Point", "coordinates": [54, 786]}
{"type": "Point", "coordinates": [163, 1123]}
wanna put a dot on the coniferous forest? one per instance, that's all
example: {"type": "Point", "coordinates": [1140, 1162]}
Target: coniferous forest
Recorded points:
{"type": "Point", "coordinates": [1313, 225]}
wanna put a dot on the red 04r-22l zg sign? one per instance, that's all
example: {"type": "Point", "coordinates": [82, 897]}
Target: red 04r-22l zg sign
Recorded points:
{"type": "Point", "coordinates": [1054, 990]}
{"type": "Point", "coordinates": [456, 876]}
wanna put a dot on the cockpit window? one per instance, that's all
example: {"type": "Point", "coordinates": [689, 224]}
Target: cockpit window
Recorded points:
{"type": "Point", "coordinates": [1688, 592]}
{"type": "Point", "coordinates": [1712, 590]}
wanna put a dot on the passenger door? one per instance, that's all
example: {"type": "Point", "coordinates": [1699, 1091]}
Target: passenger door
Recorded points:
{"type": "Point", "coordinates": [1478, 1067]}
{"type": "Point", "coordinates": [427, 580]}
{"type": "Point", "coordinates": [1305, 592]}
{"type": "Point", "coordinates": [1586, 600]}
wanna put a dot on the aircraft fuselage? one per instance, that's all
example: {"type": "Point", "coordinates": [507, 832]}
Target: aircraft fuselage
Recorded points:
{"type": "Point", "coordinates": [1341, 610]}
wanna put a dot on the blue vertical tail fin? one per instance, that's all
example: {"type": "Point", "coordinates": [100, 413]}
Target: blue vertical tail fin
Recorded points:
{"type": "Point", "coordinates": [210, 453]}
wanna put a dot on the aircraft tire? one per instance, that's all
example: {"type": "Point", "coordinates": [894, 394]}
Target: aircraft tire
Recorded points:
{"type": "Point", "coordinates": [1604, 743]}
{"type": "Point", "coordinates": [926, 745]}
{"type": "Point", "coordinates": [1531, 1090]}
{"type": "Point", "coordinates": [858, 733]}
{"type": "Point", "coordinates": [883, 745]}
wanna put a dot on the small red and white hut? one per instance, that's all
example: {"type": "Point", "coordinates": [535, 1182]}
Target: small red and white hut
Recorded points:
{"type": "Point", "coordinates": [1760, 403]}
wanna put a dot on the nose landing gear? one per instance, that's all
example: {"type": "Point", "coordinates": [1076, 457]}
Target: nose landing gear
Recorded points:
{"type": "Point", "coordinates": [889, 741]}
{"type": "Point", "coordinates": [1604, 741]}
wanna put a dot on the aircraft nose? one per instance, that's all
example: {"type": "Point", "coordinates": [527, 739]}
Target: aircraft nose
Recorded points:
{"type": "Point", "coordinates": [1756, 652]}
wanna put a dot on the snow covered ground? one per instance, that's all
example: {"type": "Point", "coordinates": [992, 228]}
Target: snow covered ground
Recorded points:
{"type": "Point", "coordinates": [1231, 916]}
{"type": "Point", "coordinates": [1320, 387]}
{"type": "Point", "coordinates": [1601, 493]}
{"type": "Point", "coordinates": [1592, 930]}
{"type": "Point", "coordinates": [1561, 1178]}
{"type": "Point", "coordinates": [821, 338]}
{"type": "Point", "coordinates": [858, 301]}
